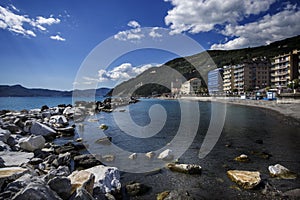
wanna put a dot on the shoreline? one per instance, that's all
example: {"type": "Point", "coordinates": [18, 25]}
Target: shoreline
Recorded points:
{"type": "Point", "coordinates": [287, 109]}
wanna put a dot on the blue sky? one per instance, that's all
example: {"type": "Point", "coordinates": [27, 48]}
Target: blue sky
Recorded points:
{"type": "Point", "coordinates": [44, 43]}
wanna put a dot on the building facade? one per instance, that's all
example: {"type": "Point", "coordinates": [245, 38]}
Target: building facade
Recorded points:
{"type": "Point", "coordinates": [191, 86]}
{"type": "Point", "coordinates": [285, 68]}
{"type": "Point", "coordinates": [215, 81]}
{"type": "Point", "coordinates": [228, 79]}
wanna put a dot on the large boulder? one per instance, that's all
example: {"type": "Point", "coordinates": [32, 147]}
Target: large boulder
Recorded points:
{"type": "Point", "coordinates": [32, 143]}
{"type": "Point", "coordinates": [185, 168]}
{"type": "Point", "coordinates": [62, 186]}
{"type": "Point", "coordinates": [61, 171]}
{"type": "Point", "coordinates": [246, 179]}
{"type": "Point", "coordinates": [38, 128]}
{"type": "Point", "coordinates": [11, 174]}
{"type": "Point", "coordinates": [107, 179]}
{"type": "Point", "coordinates": [281, 172]}
{"type": "Point", "coordinates": [4, 135]}
{"type": "Point", "coordinates": [15, 158]}
{"type": "Point", "coordinates": [82, 179]}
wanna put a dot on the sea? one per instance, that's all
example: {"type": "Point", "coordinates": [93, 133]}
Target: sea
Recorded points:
{"type": "Point", "coordinates": [207, 133]}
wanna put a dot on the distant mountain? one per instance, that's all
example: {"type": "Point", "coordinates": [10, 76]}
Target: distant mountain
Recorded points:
{"type": "Point", "coordinates": [199, 65]}
{"type": "Point", "coordinates": [20, 91]}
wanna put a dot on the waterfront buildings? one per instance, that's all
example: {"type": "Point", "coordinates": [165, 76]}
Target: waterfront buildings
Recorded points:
{"type": "Point", "coordinates": [285, 68]}
{"type": "Point", "coordinates": [228, 79]}
{"type": "Point", "coordinates": [215, 81]}
{"type": "Point", "coordinates": [191, 86]}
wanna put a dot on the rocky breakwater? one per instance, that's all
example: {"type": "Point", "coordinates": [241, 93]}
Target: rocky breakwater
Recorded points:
{"type": "Point", "coordinates": [33, 167]}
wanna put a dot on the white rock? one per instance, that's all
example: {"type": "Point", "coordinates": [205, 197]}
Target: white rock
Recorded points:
{"type": "Point", "coordinates": [150, 154]}
{"type": "Point", "coordinates": [106, 178]}
{"type": "Point", "coordinates": [166, 155]}
{"type": "Point", "coordinates": [38, 128]}
{"type": "Point", "coordinates": [281, 171]}
{"type": "Point", "coordinates": [35, 111]}
{"type": "Point", "coordinates": [32, 143]}
{"type": "Point", "coordinates": [82, 179]}
{"type": "Point", "coordinates": [69, 111]}
{"type": "Point", "coordinates": [58, 119]}
{"type": "Point", "coordinates": [15, 158]}
{"type": "Point", "coordinates": [133, 156]}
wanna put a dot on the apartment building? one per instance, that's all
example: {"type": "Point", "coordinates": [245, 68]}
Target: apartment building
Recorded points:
{"type": "Point", "coordinates": [191, 86]}
{"type": "Point", "coordinates": [228, 79]}
{"type": "Point", "coordinates": [285, 68]}
{"type": "Point", "coordinates": [215, 81]}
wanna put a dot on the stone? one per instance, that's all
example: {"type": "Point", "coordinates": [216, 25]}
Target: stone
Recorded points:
{"type": "Point", "coordinates": [11, 174]}
{"type": "Point", "coordinates": [246, 179]}
{"type": "Point", "coordinates": [166, 155]}
{"type": "Point", "coordinates": [58, 121]}
{"type": "Point", "coordinates": [104, 141]}
{"type": "Point", "coordinates": [36, 190]}
{"type": "Point", "coordinates": [174, 194]}
{"type": "Point", "coordinates": [103, 127]}
{"type": "Point", "coordinates": [59, 172]}
{"type": "Point", "coordinates": [293, 194]}
{"type": "Point", "coordinates": [82, 194]}
{"type": "Point", "coordinates": [4, 147]}
{"type": "Point", "coordinates": [242, 158]}
{"type": "Point", "coordinates": [108, 158]}
{"type": "Point", "coordinates": [107, 179]}
{"type": "Point", "coordinates": [162, 195]}
{"type": "Point", "coordinates": [15, 158]}
{"type": "Point", "coordinates": [38, 128]}
{"type": "Point", "coordinates": [133, 156]}
{"type": "Point", "coordinates": [79, 140]}
{"type": "Point", "coordinates": [62, 186]}
{"type": "Point", "coordinates": [12, 128]}
{"type": "Point", "coordinates": [4, 135]}
{"type": "Point", "coordinates": [185, 168]}
{"type": "Point", "coordinates": [63, 159]}
{"type": "Point", "coordinates": [32, 143]}
{"type": "Point", "coordinates": [35, 161]}
{"type": "Point", "coordinates": [136, 189]}
{"type": "Point", "coordinates": [82, 179]}
{"type": "Point", "coordinates": [150, 154]}
{"type": "Point", "coordinates": [86, 161]}
{"type": "Point", "coordinates": [281, 172]}
{"type": "Point", "coordinates": [69, 111]}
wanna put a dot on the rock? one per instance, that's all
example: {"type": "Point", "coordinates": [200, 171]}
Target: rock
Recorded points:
{"type": "Point", "coordinates": [86, 161]}
{"type": "Point", "coordinates": [44, 107]}
{"type": "Point", "coordinates": [136, 189]}
{"type": "Point", "coordinates": [62, 186]}
{"type": "Point", "coordinates": [242, 158]}
{"type": "Point", "coordinates": [82, 179]}
{"type": "Point", "coordinates": [58, 121]}
{"type": "Point", "coordinates": [150, 154]}
{"type": "Point", "coordinates": [133, 156]}
{"type": "Point", "coordinates": [103, 127]}
{"type": "Point", "coordinates": [185, 168]}
{"type": "Point", "coordinates": [35, 161]}
{"type": "Point", "coordinates": [4, 147]}
{"type": "Point", "coordinates": [293, 194]}
{"type": "Point", "coordinates": [4, 135]}
{"type": "Point", "coordinates": [63, 159]}
{"type": "Point", "coordinates": [79, 140]}
{"type": "Point", "coordinates": [59, 172]}
{"type": "Point", "coordinates": [12, 128]}
{"type": "Point", "coordinates": [172, 195]}
{"type": "Point", "coordinates": [104, 141]}
{"type": "Point", "coordinates": [15, 158]}
{"type": "Point", "coordinates": [38, 128]}
{"type": "Point", "coordinates": [108, 158]}
{"type": "Point", "coordinates": [36, 190]}
{"type": "Point", "coordinates": [166, 155]}
{"type": "Point", "coordinates": [11, 174]}
{"type": "Point", "coordinates": [246, 179]}
{"type": "Point", "coordinates": [17, 185]}
{"type": "Point", "coordinates": [82, 194]}
{"type": "Point", "coordinates": [106, 178]}
{"type": "Point", "coordinates": [32, 143]}
{"type": "Point", "coordinates": [162, 195]}
{"type": "Point", "coordinates": [66, 131]}
{"type": "Point", "coordinates": [69, 111]}
{"type": "Point", "coordinates": [281, 172]}
{"type": "Point", "coordinates": [68, 147]}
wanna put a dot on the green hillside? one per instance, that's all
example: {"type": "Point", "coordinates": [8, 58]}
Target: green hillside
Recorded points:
{"type": "Point", "coordinates": [198, 66]}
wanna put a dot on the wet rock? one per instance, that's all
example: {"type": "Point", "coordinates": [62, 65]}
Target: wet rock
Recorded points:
{"type": "Point", "coordinates": [11, 174]}
{"type": "Point", "coordinates": [104, 141]}
{"type": "Point", "coordinates": [281, 172]}
{"type": "Point", "coordinates": [107, 179]}
{"type": "Point", "coordinates": [86, 161]}
{"type": "Point", "coordinates": [82, 194]}
{"type": "Point", "coordinates": [162, 195]}
{"type": "Point", "coordinates": [103, 127]}
{"type": "Point", "coordinates": [38, 128]}
{"type": "Point", "coordinates": [172, 195]}
{"type": "Point", "coordinates": [62, 186]}
{"type": "Point", "coordinates": [79, 140]}
{"type": "Point", "coordinates": [32, 143]}
{"type": "Point", "coordinates": [293, 194]}
{"type": "Point", "coordinates": [133, 156]}
{"type": "Point", "coordinates": [68, 147]}
{"type": "Point", "coordinates": [82, 179]}
{"type": "Point", "coordinates": [15, 158]}
{"type": "Point", "coordinates": [136, 189]}
{"type": "Point", "coordinates": [36, 190]}
{"type": "Point", "coordinates": [166, 155]}
{"type": "Point", "coordinates": [150, 154]}
{"type": "Point", "coordinates": [242, 158]}
{"type": "Point", "coordinates": [108, 158]}
{"type": "Point", "coordinates": [185, 168]}
{"type": "Point", "coordinates": [246, 179]}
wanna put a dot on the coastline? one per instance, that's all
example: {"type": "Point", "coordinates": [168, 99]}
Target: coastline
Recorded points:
{"type": "Point", "coordinates": [287, 109]}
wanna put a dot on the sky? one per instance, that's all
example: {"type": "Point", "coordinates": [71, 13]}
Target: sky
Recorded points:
{"type": "Point", "coordinates": [46, 44]}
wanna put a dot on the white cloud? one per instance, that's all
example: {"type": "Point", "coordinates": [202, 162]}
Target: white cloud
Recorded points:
{"type": "Point", "coordinates": [134, 34]}
{"type": "Point", "coordinates": [57, 37]}
{"type": "Point", "coordinates": [196, 16]}
{"type": "Point", "coordinates": [134, 24]}
{"type": "Point", "coordinates": [121, 73]}
{"type": "Point", "coordinates": [16, 23]}
{"type": "Point", "coordinates": [155, 34]}
{"type": "Point", "coordinates": [279, 26]}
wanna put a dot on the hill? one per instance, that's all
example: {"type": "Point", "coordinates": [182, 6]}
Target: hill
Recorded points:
{"type": "Point", "coordinates": [20, 91]}
{"type": "Point", "coordinates": [198, 66]}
